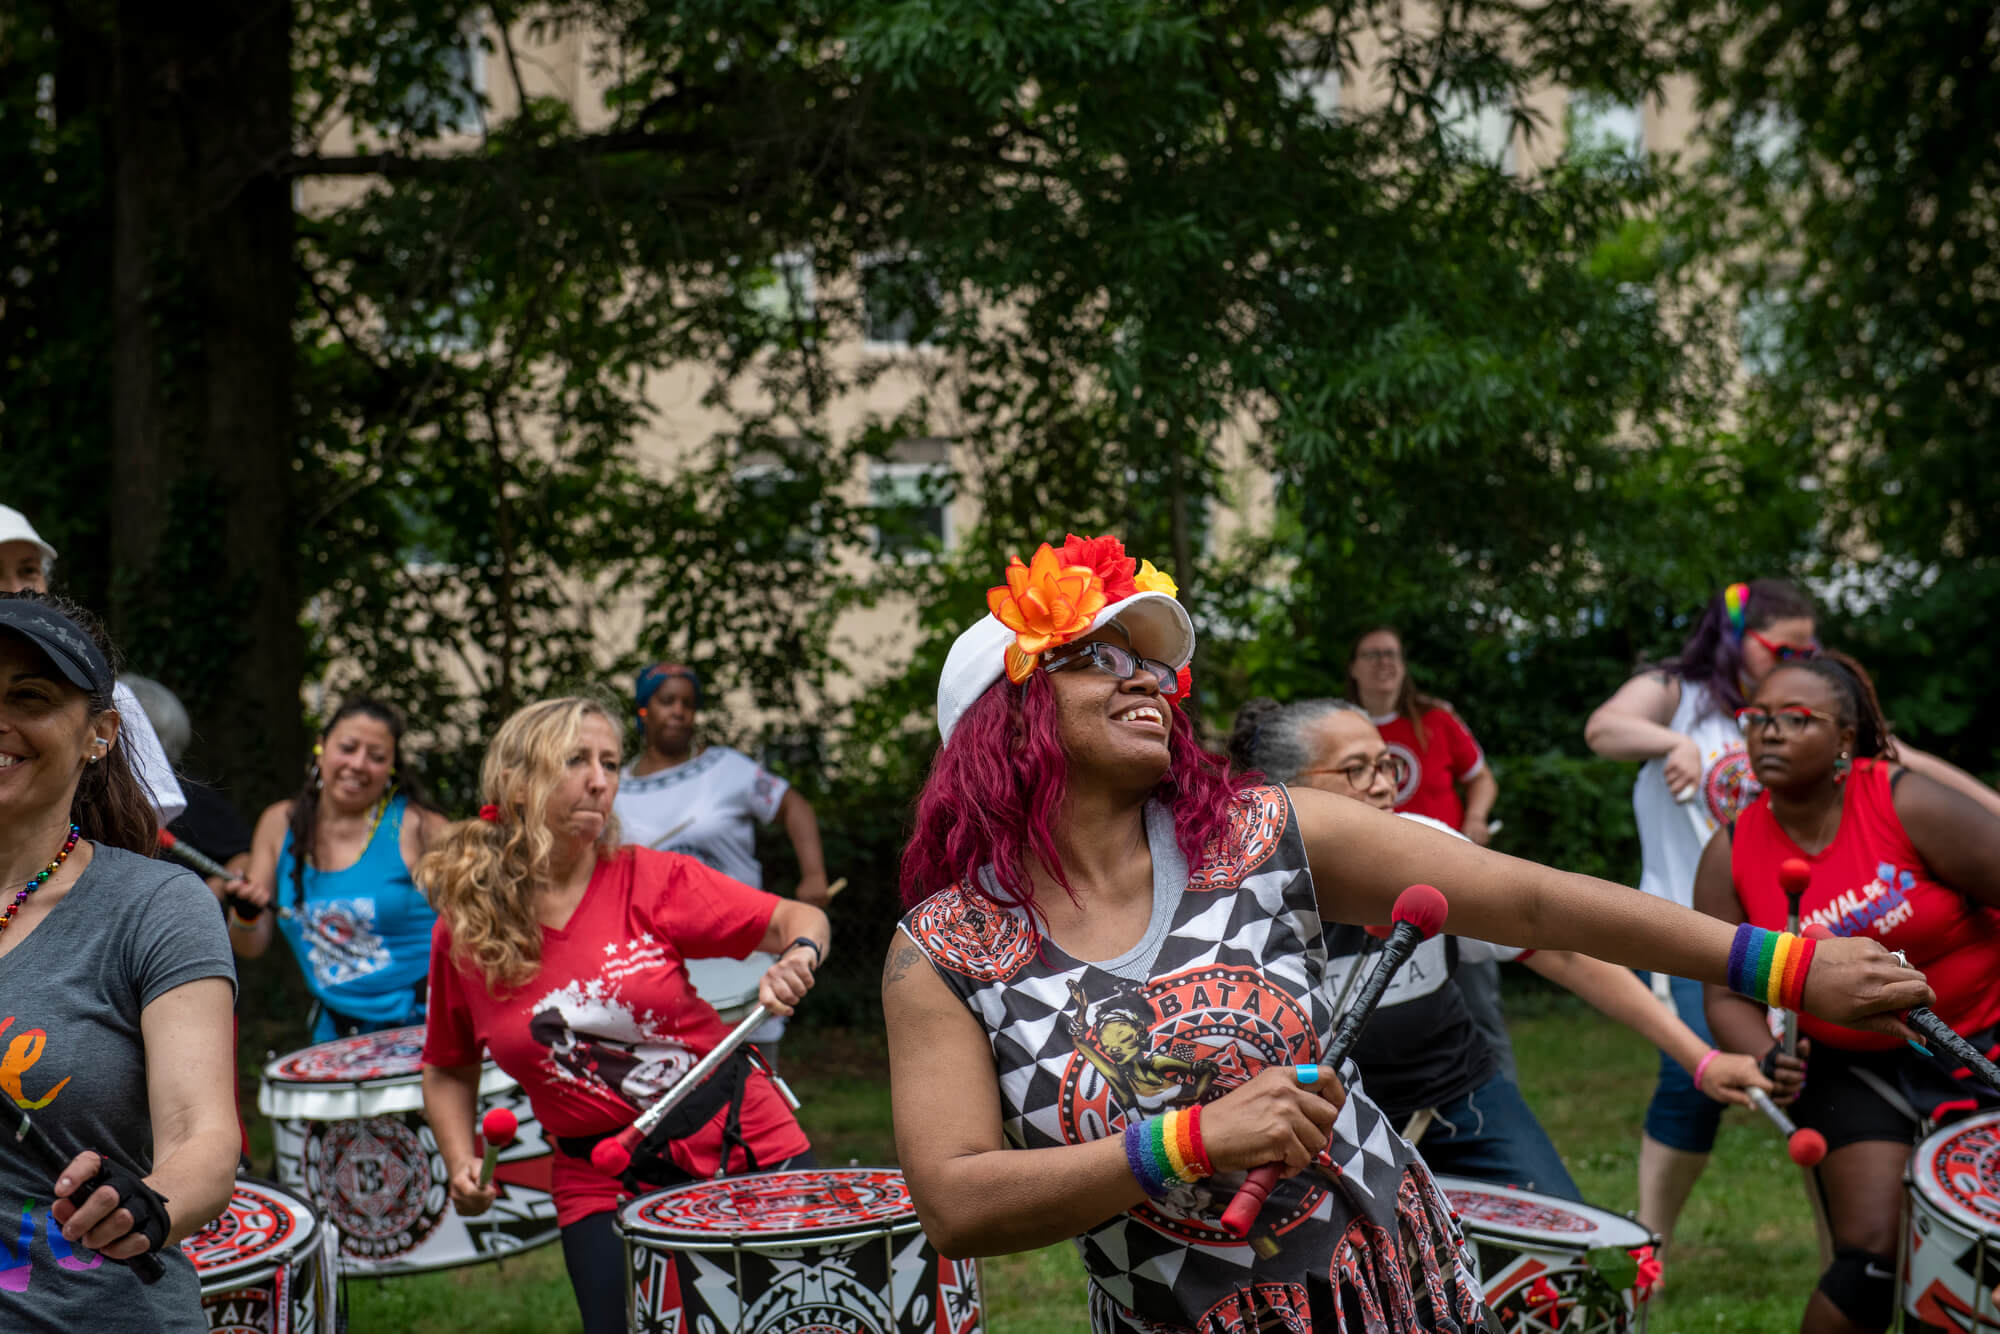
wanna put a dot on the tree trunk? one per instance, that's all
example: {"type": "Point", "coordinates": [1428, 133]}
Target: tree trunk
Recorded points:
{"type": "Point", "coordinates": [204, 552]}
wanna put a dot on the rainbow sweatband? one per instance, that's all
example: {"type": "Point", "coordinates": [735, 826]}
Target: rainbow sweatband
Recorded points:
{"type": "Point", "coordinates": [1165, 1152]}
{"type": "Point", "coordinates": [1769, 966]}
{"type": "Point", "coordinates": [1735, 600]}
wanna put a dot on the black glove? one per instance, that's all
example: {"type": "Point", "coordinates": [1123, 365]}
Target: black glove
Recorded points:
{"type": "Point", "coordinates": [147, 1206]}
{"type": "Point", "coordinates": [1768, 1064]}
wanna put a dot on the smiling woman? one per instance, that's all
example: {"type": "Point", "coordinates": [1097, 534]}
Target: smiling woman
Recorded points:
{"type": "Point", "coordinates": [334, 864]}
{"type": "Point", "coordinates": [1107, 1003]}
{"type": "Point", "coordinates": [116, 983]}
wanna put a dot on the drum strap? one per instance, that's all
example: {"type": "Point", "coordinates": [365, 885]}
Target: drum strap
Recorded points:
{"type": "Point", "coordinates": [1894, 1097]}
{"type": "Point", "coordinates": [652, 1161]}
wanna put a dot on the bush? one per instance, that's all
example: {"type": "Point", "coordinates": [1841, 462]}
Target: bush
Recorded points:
{"type": "Point", "coordinates": [1569, 812]}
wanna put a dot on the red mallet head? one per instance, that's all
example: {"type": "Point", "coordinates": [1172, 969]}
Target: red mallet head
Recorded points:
{"type": "Point", "coordinates": [610, 1157]}
{"type": "Point", "coordinates": [1794, 874]}
{"type": "Point", "coordinates": [1818, 931]}
{"type": "Point", "coordinates": [499, 1127]}
{"type": "Point", "coordinates": [1423, 907]}
{"type": "Point", "coordinates": [1807, 1147]}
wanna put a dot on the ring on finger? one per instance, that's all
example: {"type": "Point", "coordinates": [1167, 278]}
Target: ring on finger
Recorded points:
{"type": "Point", "coordinates": [1902, 959]}
{"type": "Point", "coordinates": [1308, 1074]}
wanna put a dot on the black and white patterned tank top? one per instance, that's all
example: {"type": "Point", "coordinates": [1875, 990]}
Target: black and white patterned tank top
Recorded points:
{"type": "Point", "coordinates": [1226, 981]}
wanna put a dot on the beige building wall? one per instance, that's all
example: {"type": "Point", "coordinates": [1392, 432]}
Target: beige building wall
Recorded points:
{"type": "Point", "coordinates": [573, 65]}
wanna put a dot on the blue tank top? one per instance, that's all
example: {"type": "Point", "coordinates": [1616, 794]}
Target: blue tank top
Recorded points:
{"type": "Point", "coordinates": [363, 936]}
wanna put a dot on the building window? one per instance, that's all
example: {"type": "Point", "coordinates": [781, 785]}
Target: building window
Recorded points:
{"type": "Point", "coordinates": [459, 106]}
{"type": "Point", "coordinates": [1600, 125]}
{"type": "Point", "coordinates": [910, 493]}
{"type": "Point", "coordinates": [1760, 332]}
{"type": "Point", "coordinates": [899, 304]}
{"type": "Point", "coordinates": [784, 290]}
{"type": "Point", "coordinates": [1319, 89]}
{"type": "Point", "coordinates": [1486, 130]}
{"type": "Point", "coordinates": [772, 493]}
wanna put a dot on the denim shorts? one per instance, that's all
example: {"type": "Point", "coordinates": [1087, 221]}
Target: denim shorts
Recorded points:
{"type": "Point", "coordinates": [1681, 1116]}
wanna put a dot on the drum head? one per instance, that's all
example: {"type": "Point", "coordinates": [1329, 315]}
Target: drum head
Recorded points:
{"type": "Point", "coordinates": [366, 1058]}
{"type": "Point", "coordinates": [260, 1227]}
{"type": "Point", "coordinates": [803, 1204]}
{"type": "Point", "coordinates": [1957, 1171]}
{"type": "Point", "coordinates": [1538, 1220]}
{"type": "Point", "coordinates": [369, 1074]}
{"type": "Point", "coordinates": [727, 984]}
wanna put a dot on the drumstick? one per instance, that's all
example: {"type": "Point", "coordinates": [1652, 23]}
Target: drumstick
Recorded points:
{"type": "Point", "coordinates": [1794, 874]}
{"type": "Point", "coordinates": [499, 1127]}
{"type": "Point", "coordinates": [1419, 912]}
{"type": "Point", "coordinates": [671, 832]}
{"type": "Point", "coordinates": [835, 888]}
{"type": "Point", "coordinates": [208, 866]}
{"type": "Point", "coordinates": [613, 1153]}
{"type": "Point", "coordinates": [1686, 794]}
{"type": "Point", "coordinates": [146, 1264]}
{"type": "Point", "coordinates": [1927, 1021]}
{"type": "Point", "coordinates": [1806, 1147]}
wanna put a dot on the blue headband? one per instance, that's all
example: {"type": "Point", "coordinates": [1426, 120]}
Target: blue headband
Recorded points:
{"type": "Point", "coordinates": [652, 678]}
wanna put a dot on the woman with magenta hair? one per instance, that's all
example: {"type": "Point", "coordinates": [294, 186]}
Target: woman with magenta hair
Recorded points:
{"type": "Point", "coordinates": [1105, 1003]}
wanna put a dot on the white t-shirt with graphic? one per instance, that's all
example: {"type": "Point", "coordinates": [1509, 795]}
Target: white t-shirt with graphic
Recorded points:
{"type": "Point", "coordinates": [703, 809]}
{"type": "Point", "coordinates": [1672, 833]}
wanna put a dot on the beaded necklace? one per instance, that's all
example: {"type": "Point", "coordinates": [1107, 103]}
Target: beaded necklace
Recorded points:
{"type": "Point", "coordinates": [7, 917]}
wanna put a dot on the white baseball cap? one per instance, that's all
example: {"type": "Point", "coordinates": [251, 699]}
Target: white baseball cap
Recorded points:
{"type": "Point", "coordinates": [1159, 627]}
{"type": "Point", "coordinates": [14, 527]}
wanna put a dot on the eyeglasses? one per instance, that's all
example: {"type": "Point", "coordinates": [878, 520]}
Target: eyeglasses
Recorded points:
{"type": "Point", "coordinates": [1361, 774]}
{"type": "Point", "coordinates": [1115, 660]}
{"type": "Point", "coordinates": [1791, 721]}
{"type": "Point", "coordinates": [1379, 655]}
{"type": "Point", "coordinates": [1786, 652]}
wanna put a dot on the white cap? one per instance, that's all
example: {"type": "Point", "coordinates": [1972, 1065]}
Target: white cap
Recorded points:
{"type": "Point", "coordinates": [1158, 624]}
{"type": "Point", "coordinates": [14, 527]}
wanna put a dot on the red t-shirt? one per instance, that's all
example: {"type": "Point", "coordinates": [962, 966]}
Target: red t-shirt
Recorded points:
{"type": "Point", "coordinates": [610, 1021]}
{"type": "Point", "coordinates": [1872, 881]}
{"type": "Point", "coordinates": [1448, 757]}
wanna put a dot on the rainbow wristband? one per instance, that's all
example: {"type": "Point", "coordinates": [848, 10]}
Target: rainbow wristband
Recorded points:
{"type": "Point", "coordinates": [1769, 966]}
{"type": "Point", "coordinates": [1165, 1152]}
{"type": "Point", "coordinates": [1141, 1162]}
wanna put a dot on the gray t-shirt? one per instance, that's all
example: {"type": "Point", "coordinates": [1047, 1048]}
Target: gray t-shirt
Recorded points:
{"type": "Point", "coordinates": [130, 930]}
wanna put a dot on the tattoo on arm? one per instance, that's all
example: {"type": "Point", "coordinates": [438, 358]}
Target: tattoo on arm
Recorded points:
{"type": "Point", "coordinates": [903, 956]}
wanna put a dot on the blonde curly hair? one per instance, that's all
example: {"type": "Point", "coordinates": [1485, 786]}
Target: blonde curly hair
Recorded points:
{"type": "Point", "coordinates": [481, 875]}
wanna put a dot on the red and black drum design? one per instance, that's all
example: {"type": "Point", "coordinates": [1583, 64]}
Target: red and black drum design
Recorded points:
{"type": "Point", "coordinates": [348, 1125]}
{"type": "Point", "coordinates": [1951, 1253]}
{"type": "Point", "coordinates": [821, 1251]}
{"type": "Point", "coordinates": [1548, 1264]}
{"type": "Point", "coordinates": [265, 1265]}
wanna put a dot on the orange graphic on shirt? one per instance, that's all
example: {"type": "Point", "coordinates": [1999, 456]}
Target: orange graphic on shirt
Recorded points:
{"type": "Point", "coordinates": [23, 1052]}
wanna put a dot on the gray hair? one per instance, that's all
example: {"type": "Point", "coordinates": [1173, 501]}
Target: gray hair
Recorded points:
{"type": "Point", "coordinates": [1272, 736]}
{"type": "Point", "coordinates": [164, 710]}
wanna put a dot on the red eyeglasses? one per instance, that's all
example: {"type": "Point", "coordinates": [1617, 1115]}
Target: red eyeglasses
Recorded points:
{"type": "Point", "coordinates": [1786, 652]}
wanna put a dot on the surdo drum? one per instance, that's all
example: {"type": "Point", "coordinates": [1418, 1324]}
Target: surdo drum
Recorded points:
{"type": "Point", "coordinates": [265, 1266]}
{"type": "Point", "coordinates": [730, 985]}
{"type": "Point", "coordinates": [1951, 1248]}
{"type": "Point", "coordinates": [348, 1124]}
{"type": "Point", "coordinates": [1548, 1264]}
{"type": "Point", "coordinates": [807, 1252]}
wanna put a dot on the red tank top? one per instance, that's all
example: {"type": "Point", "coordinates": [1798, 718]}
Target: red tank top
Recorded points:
{"type": "Point", "coordinates": [1872, 881]}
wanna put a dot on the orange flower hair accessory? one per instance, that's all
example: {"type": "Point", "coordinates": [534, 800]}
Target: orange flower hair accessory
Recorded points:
{"type": "Point", "coordinates": [1045, 603]}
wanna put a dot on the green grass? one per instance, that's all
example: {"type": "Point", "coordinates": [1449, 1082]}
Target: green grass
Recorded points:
{"type": "Point", "coordinates": [1746, 1256]}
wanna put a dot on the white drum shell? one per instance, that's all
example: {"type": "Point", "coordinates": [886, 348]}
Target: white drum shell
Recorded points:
{"type": "Point", "coordinates": [247, 1295]}
{"type": "Point", "coordinates": [1950, 1257]}
{"type": "Point", "coordinates": [362, 1153]}
{"type": "Point", "coordinates": [1519, 1255]}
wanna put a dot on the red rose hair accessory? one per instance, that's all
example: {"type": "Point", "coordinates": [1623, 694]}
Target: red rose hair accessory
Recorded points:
{"type": "Point", "coordinates": [490, 813]}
